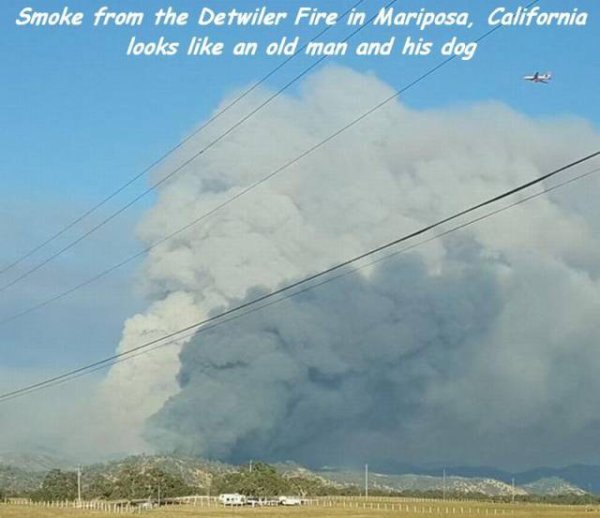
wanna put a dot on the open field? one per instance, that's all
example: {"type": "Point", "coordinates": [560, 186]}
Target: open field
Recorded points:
{"type": "Point", "coordinates": [350, 509]}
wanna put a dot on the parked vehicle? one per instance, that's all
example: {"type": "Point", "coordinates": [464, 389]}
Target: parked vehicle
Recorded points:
{"type": "Point", "coordinates": [290, 500]}
{"type": "Point", "coordinates": [232, 499]}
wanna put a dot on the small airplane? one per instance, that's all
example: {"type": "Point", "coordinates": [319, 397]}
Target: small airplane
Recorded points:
{"type": "Point", "coordinates": [539, 78]}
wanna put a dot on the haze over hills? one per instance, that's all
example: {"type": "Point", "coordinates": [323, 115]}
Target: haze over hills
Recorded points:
{"type": "Point", "coordinates": [411, 482]}
{"type": "Point", "coordinates": [21, 473]}
{"type": "Point", "coordinates": [34, 462]}
{"type": "Point", "coordinates": [583, 476]}
{"type": "Point", "coordinates": [552, 486]}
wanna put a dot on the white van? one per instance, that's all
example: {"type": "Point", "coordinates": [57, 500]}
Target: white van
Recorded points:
{"type": "Point", "coordinates": [290, 500]}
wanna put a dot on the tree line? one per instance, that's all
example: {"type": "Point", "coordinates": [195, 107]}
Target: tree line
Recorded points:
{"type": "Point", "coordinates": [258, 479]}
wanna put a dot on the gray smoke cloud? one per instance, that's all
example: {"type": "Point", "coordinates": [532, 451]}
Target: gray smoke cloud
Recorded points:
{"type": "Point", "coordinates": [478, 349]}
{"type": "Point", "coordinates": [335, 375]}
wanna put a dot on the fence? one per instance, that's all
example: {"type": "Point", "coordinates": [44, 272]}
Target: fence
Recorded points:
{"type": "Point", "coordinates": [394, 504]}
{"type": "Point", "coordinates": [416, 506]}
{"type": "Point", "coordinates": [95, 505]}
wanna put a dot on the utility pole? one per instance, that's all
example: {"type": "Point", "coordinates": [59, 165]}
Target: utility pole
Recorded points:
{"type": "Point", "coordinates": [79, 486]}
{"type": "Point", "coordinates": [444, 484]}
{"type": "Point", "coordinates": [366, 481]}
{"type": "Point", "coordinates": [513, 490]}
{"type": "Point", "coordinates": [250, 465]}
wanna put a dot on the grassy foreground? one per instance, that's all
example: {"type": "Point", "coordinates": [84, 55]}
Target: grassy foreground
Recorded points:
{"type": "Point", "coordinates": [333, 510]}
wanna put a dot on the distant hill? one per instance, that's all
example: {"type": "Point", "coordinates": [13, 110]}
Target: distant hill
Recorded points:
{"type": "Point", "coordinates": [24, 473]}
{"type": "Point", "coordinates": [36, 462]}
{"type": "Point", "coordinates": [552, 486]}
{"type": "Point", "coordinates": [21, 473]}
{"type": "Point", "coordinates": [18, 481]}
{"type": "Point", "coordinates": [193, 471]}
{"type": "Point", "coordinates": [488, 481]}
{"type": "Point", "coordinates": [585, 477]}
{"type": "Point", "coordinates": [410, 482]}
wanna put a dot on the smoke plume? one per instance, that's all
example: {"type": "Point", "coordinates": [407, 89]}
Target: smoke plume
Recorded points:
{"type": "Point", "coordinates": [477, 348]}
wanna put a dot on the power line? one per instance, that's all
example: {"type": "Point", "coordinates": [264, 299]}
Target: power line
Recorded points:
{"type": "Point", "coordinates": [253, 304]}
{"type": "Point", "coordinates": [153, 187]}
{"type": "Point", "coordinates": [310, 287]}
{"type": "Point", "coordinates": [244, 191]}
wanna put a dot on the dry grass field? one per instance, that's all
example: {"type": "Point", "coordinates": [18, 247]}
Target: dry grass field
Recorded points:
{"type": "Point", "coordinates": [353, 509]}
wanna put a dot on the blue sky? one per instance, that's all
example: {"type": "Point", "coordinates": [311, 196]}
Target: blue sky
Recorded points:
{"type": "Point", "coordinates": [79, 118]}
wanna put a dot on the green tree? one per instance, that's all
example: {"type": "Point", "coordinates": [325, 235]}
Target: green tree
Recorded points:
{"type": "Point", "coordinates": [135, 483]}
{"type": "Point", "coordinates": [260, 480]}
{"type": "Point", "coordinates": [100, 487]}
{"type": "Point", "coordinates": [57, 485]}
{"type": "Point", "coordinates": [308, 486]}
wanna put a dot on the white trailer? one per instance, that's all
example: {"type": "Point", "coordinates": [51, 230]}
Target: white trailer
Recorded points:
{"type": "Point", "coordinates": [232, 499]}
